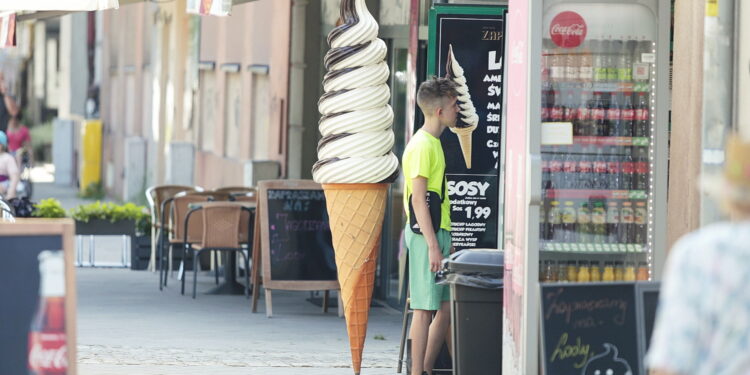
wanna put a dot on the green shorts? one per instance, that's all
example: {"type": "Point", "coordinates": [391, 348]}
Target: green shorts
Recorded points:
{"type": "Point", "coordinates": [425, 293]}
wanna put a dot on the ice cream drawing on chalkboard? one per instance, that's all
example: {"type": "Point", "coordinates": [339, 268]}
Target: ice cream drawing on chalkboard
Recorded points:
{"type": "Point", "coordinates": [467, 119]}
{"type": "Point", "coordinates": [607, 363]}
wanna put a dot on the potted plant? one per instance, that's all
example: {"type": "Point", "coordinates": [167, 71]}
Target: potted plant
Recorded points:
{"type": "Point", "coordinates": [106, 218]}
{"type": "Point", "coordinates": [49, 208]}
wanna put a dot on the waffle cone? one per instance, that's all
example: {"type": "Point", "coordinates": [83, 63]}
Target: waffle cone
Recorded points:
{"type": "Point", "coordinates": [356, 217]}
{"type": "Point", "coordinates": [464, 140]}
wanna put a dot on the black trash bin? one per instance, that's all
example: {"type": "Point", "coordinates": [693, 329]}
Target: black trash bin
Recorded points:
{"type": "Point", "coordinates": [476, 280]}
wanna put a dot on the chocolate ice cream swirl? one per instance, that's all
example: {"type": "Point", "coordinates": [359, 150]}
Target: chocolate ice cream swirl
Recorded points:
{"type": "Point", "coordinates": [356, 118]}
{"type": "Point", "coordinates": [468, 114]}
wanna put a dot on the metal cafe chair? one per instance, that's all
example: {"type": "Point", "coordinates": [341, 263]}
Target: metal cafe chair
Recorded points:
{"type": "Point", "coordinates": [177, 209]}
{"type": "Point", "coordinates": [236, 189]}
{"type": "Point", "coordinates": [221, 223]}
{"type": "Point", "coordinates": [156, 195]}
{"type": "Point", "coordinates": [6, 214]}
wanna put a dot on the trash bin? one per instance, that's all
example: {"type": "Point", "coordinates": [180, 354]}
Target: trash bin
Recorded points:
{"type": "Point", "coordinates": [476, 280]}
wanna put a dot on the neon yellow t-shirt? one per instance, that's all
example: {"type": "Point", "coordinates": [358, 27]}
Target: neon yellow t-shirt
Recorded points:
{"type": "Point", "coordinates": [424, 157]}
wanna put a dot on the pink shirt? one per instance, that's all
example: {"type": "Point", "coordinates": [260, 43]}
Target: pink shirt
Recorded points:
{"type": "Point", "coordinates": [17, 138]}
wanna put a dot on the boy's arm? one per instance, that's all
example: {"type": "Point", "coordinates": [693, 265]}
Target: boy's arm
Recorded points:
{"type": "Point", "coordinates": [422, 213]}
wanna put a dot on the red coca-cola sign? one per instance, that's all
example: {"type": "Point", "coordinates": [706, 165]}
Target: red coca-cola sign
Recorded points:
{"type": "Point", "coordinates": [568, 29]}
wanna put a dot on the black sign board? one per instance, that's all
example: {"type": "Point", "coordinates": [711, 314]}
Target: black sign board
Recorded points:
{"type": "Point", "coordinates": [590, 329]}
{"type": "Point", "coordinates": [37, 332]}
{"type": "Point", "coordinates": [647, 294]}
{"type": "Point", "coordinates": [477, 35]}
{"type": "Point", "coordinates": [293, 240]}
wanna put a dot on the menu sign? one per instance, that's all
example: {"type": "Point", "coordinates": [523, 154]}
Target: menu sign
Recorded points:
{"type": "Point", "coordinates": [590, 329]}
{"type": "Point", "coordinates": [476, 42]}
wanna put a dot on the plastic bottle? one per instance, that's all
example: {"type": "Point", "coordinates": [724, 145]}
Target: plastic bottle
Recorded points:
{"type": "Point", "coordinates": [572, 62]}
{"type": "Point", "coordinates": [625, 230]}
{"type": "Point", "coordinates": [613, 168]}
{"type": "Point", "coordinates": [614, 115]}
{"type": "Point", "coordinates": [627, 116]}
{"type": "Point", "coordinates": [642, 119]}
{"type": "Point", "coordinates": [599, 222]}
{"type": "Point", "coordinates": [600, 178]}
{"type": "Point", "coordinates": [557, 113]}
{"type": "Point", "coordinates": [562, 271]}
{"type": "Point", "coordinates": [554, 221]}
{"type": "Point", "coordinates": [572, 271]}
{"type": "Point", "coordinates": [629, 274]}
{"type": "Point", "coordinates": [569, 222]}
{"type": "Point", "coordinates": [613, 222]}
{"type": "Point", "coordinates": [557, 66]}
{"type": "Point", "coordinates": [585, 64]}
{"type": "Point", "coordinates": [640, 223]}
{"type": "Point", "coordinates": [608, 275]}
{"type": "Point", "coordinates": [585, 170]}
{"type": "Point", "coordinates": [582, 124]}
{"type": "Point", "coordinates": [625, 62]}
{"type": "Point", "coordinates": [613, 52]}
{"type": "Point", "coordinates": [596, 273]}
{"type": "Point", "coordinates": [640, 169]}
{"type": "Point", "coordinates": [584, 223]}
{"type": "Point", "coordinates": [599, 114]}
{"type": "Point", "coordinates": [619, 270]}
{"type": "Point", "coordinates": [570, 177]}
{"type": "Point", "coordinates": [570, 108]}
{"type": "Point", "coordinates": [584, 274]}
{"type": "Point", "coordinates": [546, 182]}
{"type": "Point", "coordinates": [627, 167]}
{"type": "Point", "coordinates": [599, 61]}
{"type": "Point", "coordinates": [555, 169]}
{"type": "Point", "coordinates": [642, 273]}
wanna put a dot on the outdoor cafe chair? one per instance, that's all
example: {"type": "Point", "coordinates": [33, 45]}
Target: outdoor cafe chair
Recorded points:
{"type": "Point", "coordinates": [247, 218]}
{"type": "Point", "coordinates": [156, 195]}
{"type": "Point", "coordinates": [6, 214]}
{"type": "Point", "coordinates": [221, 232]}
{"type": "Point", "coordinates": [235, 189]}
{"type": "Point", "coordinates": [178, 207]}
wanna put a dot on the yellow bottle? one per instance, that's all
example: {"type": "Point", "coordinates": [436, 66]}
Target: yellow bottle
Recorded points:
{"type": "Point", "coordinates": [619, 271]}
{"type": "Point", "coordinates": [584, 275]}
{"type": "Point", "coordinates": [572, 272]}
{"type": "Point", "coordinates": [629, 274]}
{"type": "Point", "coordinates": [609, 272]}
{"type": "Point", "coordinates": [596, 273]}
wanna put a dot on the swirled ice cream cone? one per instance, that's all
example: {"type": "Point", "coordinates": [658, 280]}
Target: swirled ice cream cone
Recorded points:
{"type": "Point", "coordinates": [355, 162]}
{"type": "Point", "coordinates": [467, 119]}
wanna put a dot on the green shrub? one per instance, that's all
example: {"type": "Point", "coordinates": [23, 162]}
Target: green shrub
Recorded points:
{"type": "Point", "coordinates": [95, 190]}
{"type": "Point", "coordinates": [109, 211]}
{"type": "Point", "coordinates": [49, 208]}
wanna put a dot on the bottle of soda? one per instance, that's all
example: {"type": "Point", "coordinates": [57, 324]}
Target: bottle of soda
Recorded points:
{"type": "Point", "coordinates": [599, 222]}
{"type": "Point", "coordinates": [613, 116]}
{"type": "Point", "coordinates": [640, 230]}
{"type": "Point", "coordinates": [557, 112]}
{"type": "Point", "coordinates": [546, 106]}
{"type": "Point", "coordinates": [584, 223]}
{"type": "Point", "coordinates": [642, 118]}
{"type": "Point", "coordinates": [546, 182]}
{"type": "Point", "coordinates": [641, 176]}
{"type": "Point", "coordinates": [543, 227]}
{"type": "Point", "coordinates": [554, 222]}
{"type": "Point", "coordinates": [625, 61]}
{"type": "Point", "coordinates": [556, 169]}
{"type": "Point", "coordinates": [570, 177]}
{"type": "Point", "coordinates": [585, 170]}
{"type": "Point", "coordinates": [547, 48]}
{"type": "Point", "coordinates": [569, 222]}
{"type": "Point", "coordinates": [47, 336]}
{"type": "Point", "coordinates": [599, 115]}
{"type": "Point", "coordinates": [613, 51]}
{"type": "Point", "coordinates": [557, 66]}
{"type": "Point", "coordinates": [613, 169]}
{"type": "Point", "coordinates": [627, 116]}
{"type": "Point", "coordinates": [572, 61]}
{"type": "Point", "coordinates": [627, 168]}
{"type": "Point", "coordinates": [625, 230]}
{"type": "Point", "coordinates": [585, 64]}
{"type": "Point", "coordinates": [570, 107]}
{"type": "Point", "coordinates": [600, 180]}
{"type": "Point", "coordinates": [583, 124]}
{"type": "Point", "coordinates": [613, 221]}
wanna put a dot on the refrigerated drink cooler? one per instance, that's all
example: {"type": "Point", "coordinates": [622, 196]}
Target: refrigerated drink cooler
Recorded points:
{"type": "Point", "coordinates": [586, 153]}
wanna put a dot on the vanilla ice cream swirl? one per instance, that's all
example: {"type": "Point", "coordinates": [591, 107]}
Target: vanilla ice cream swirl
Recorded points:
{"type": "Point", "coordinates": [468, 114]}
{"type": "Point", "coordinates": [356, 119]}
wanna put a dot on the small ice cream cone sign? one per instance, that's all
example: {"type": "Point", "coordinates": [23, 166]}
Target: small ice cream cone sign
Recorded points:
{"type": "Point", "coordinates": [467, 119]}
{"type": "Point", "coordinates": [355, 162]}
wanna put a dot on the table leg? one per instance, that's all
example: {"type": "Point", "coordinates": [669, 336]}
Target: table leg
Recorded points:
{"type": "Point", "coordinates": [269, 304]}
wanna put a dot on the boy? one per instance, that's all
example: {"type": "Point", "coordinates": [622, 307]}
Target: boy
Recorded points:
{"type": "Point", "coordinates": [424, 169]}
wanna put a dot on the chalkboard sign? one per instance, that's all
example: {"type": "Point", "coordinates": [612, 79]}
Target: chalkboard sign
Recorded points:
{"type": "Point", "coordinates": [294, 244]}
{"type": "Point", "coordinates": [589, 329]}
{"type": "Point", "coordinates": [647, 294]}
{"type": "Point", "coordinates": [38, 329]}
{"type": "Point", "coordinates": [476, 35]}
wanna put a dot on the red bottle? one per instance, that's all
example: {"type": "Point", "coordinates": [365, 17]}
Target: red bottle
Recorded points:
{"type": "Point", "coordinates": [48, 354]}
{"type": "Point", "coordinates": [557, 112]}
{"type": "Point", "coordinates": [599, 115]}
{"type": "Point", "coordinates": [642, 124]}
{"type": "Point", "coordinates": [583, 124]}
{"type": "Point", "coordinates": [627, 117]}
{"type": "Point", "coordinates": [614, 116]}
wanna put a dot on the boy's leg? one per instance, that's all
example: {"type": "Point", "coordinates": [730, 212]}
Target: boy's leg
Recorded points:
{"type": "Point", "coordinates": [420, 325]}
{"type": "Point", "coordinates": [436, 338]}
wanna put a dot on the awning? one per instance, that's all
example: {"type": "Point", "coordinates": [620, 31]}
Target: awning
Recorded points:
{"type": "Point", "coordinates": [7, 29]}
{"type": "Point", "coordinates": [69, 5]}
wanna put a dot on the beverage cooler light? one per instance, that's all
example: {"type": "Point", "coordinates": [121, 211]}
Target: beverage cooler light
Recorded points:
{"type": "Point", "coordinates": [598, 126]}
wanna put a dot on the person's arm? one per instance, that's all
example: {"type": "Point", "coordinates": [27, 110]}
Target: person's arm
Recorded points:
{"type": "Point", "coordinates": [14, 178]}
{"type": "Point", "coordinates": [9, 102]}
{"type": "Point", "coordinates": [422, 213]}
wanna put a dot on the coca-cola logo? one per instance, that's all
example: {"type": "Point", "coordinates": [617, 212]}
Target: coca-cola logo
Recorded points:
{"type": "Point", "coordinates": [568, 29]}
{"type": "Point", "coordinates": [48, 353]}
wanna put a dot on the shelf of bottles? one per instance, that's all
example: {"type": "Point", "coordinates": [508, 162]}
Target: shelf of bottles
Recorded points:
{"type": "Point", "coordinates": [597, 189]}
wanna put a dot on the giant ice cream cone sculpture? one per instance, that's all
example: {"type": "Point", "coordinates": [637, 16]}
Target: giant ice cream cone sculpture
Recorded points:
{"type": "Point", "coordinates": [467, 117]}
{"type": "Point", "coordinates": [355, 162]}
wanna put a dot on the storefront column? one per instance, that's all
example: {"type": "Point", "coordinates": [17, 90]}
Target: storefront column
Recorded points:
{"type": "Point", "coordinates": [684, 204]}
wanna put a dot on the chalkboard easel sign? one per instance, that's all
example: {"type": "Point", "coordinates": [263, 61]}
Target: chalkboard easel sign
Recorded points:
{"type": "Point", "coordinates": [647, 301]}
{"type": "Point", "coordinates": [590, 329]}
{"type": "Point", "coordinates": [293, 243]}
{"type": "Point", "coordinates": [38, 295]}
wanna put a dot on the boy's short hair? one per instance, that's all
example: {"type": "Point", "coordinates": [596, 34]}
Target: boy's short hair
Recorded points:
{"type": "Point", "coordinates": [433, 91]}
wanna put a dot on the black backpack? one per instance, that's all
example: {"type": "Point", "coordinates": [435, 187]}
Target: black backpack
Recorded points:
{"type": "Point", "coordinates": [23, 207]}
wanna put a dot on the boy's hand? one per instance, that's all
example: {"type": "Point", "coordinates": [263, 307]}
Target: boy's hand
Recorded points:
{"type": "Point", "coordinates": [436, 258]}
